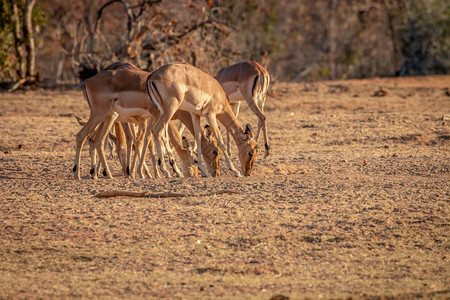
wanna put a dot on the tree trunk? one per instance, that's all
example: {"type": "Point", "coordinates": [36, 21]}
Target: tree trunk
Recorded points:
{"type": "Point", "coordinates": [18, 41]}
{"type": "Point", "coordinates": [332, 39]}
{"type": "Point", "coordinates": [29, 39]}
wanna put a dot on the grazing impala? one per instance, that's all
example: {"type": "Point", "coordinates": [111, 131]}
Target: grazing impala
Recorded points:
{"type": "Point", "coordinates": [180, 86]}
{"type": "Point", "coordinates": [123, 133]}
{"type": "Point", "coordinates": [248, 81]}
{"type": "Point", "coordinates": [133, 138]}
{"type": "Point", "coordinates": [210, 147]}
{"type": "Point", "coordinates": [210, 150]}
{"type": "Point", "coordinates": [115, 94]}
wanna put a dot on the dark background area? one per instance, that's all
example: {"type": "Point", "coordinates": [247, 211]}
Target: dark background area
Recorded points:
{"type": "Point", "coordinates": [297, 40]}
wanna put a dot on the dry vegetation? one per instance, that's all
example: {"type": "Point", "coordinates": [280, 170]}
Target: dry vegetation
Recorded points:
{"type": "Point", "coordinates": [353, 202]}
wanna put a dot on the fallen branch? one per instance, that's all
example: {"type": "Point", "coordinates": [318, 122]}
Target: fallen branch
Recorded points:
{"type": "Point", "coordinates": [17, 85]}
{"type": "Point", "coordinates": [109, 194]}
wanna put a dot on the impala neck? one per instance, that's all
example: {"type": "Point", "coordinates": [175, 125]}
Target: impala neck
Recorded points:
{"type": "Point", "coordinates": [229, 120]}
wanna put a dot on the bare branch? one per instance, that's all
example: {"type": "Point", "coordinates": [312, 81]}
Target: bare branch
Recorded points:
{"type": "Point", "coordinates": [109, 194]}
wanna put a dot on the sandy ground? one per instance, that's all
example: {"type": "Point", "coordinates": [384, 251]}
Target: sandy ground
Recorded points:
{"type": "Point", "coordinates": [353, 202]}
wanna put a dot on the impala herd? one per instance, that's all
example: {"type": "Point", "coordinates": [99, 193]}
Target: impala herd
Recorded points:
{"type": "Point", "coordinates": [143, 106]}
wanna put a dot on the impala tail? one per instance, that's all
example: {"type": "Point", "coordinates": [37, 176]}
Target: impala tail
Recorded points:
{"type": "Point", "coordinates": [152, 91]}
{"type": "Point", "coordinates": [86, 97]}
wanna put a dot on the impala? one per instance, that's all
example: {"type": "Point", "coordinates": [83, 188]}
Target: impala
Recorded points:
{"type": "Point", "coordinates": [124, 132]}
{"type": "Point", "coordinates": [120, 141]}
{"type": "Point", "coordinates": [115, 94]}
{"type": "Point", "coordinates": [133, 138]}
{"type": "Point", "coordinates": [248, 81]}
{"type": "Point", "coordinates": [180, 86]}
{"type": "Point", "coordinates": [210, 150]}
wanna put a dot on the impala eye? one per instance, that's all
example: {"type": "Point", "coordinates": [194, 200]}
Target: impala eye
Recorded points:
{"type": "Point", "coordinates": [250, 153]}
{"type": "Point", "coordinates": [215, 152]}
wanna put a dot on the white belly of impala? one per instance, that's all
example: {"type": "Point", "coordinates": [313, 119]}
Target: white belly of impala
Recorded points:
{"type": "Point", "coordinates": [130, 114]}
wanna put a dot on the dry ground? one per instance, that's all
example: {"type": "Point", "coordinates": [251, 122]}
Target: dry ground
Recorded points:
{"type": "Point", "coordinates": [353, 202]}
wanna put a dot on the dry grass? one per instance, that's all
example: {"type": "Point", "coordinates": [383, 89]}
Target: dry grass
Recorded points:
{"type": "Point", "coordinates": [353, 202]}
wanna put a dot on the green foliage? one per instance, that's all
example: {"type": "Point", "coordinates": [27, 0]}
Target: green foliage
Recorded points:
{"type": "Point", "coordinates": [8, 58]}
{"type": "Point", "coordinates": [6, 40]}
{"type": "Point", "coordinates": [40, 16]}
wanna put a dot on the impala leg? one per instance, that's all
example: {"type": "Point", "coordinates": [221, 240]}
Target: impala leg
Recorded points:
{"type": "Point", "coordinates": [100, 141]}
{"type": "Point", "coordinates": [95, 165]}
{"type": "Point", "coordinates": [109, 145]}
{"type": "Point", "coordinates": [151, 149]}
{"type": "Point", "coordinates": [120, 145]}
{"type": "Point", "coordinates": [129, 134]}
{"type": "Point", "coordinates": [157, 136]}
{"type": "Point", "coordinates": [139, 141]}
{"type": "Point", "coordinates": [215, 129]}
{"type": "Point", "coordinates": [156, 130]}
{"type": "Point", "coordinates": [260, 123]}
{"type": "Point", "coordinates": [81, 138]}
{"type": "Point", "coordinates": [252, 103]}
{"type": "Point", "coordinates": [145, 170]}
{"type": "Point", "coordinates": [165, 138]}
{"type": "Point", "coordinates": [93, 154]}
{"type": "Point", "coordinates": [198, 138]}
{"type": "Point", "coordinates": [235, 107]}
{"type": "Point", "coordinates": [138, 147]}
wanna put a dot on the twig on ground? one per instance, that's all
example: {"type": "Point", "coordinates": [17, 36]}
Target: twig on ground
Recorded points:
{"type": "Point", "coordinates": [109, 194]}
{"type": "Point", "coordinates": [17, 85]}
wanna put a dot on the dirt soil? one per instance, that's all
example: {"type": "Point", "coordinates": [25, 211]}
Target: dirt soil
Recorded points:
{"type": "Point", "coordinates": [352, 202]}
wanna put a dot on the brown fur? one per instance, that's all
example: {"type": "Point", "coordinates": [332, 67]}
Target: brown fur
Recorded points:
{"type": "Point", "coordinates": [248, 81]}
{"type": "Point", "coordinates": [182, 86]}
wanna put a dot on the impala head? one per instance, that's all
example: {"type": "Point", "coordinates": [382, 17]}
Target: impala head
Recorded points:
{"type": "Point", "coordinates": [248, 151]}
{"type": "Point", "coordinates": [192, 166]}
{"type": "Point", "coordinates": [211, 152]}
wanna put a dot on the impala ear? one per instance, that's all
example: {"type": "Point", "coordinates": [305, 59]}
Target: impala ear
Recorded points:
{"type": "Point", "coordinates": [80, 121]}
{"type": "Point", "coordinates": [185, 143]}
{"type": "Point", "coordinates": [207, 132]}
{"type": "Point", "coordinates": [249, 130]}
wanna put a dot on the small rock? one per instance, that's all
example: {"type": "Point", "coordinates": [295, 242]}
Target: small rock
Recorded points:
{"type": "Point", "coordinates": [380, 93]}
